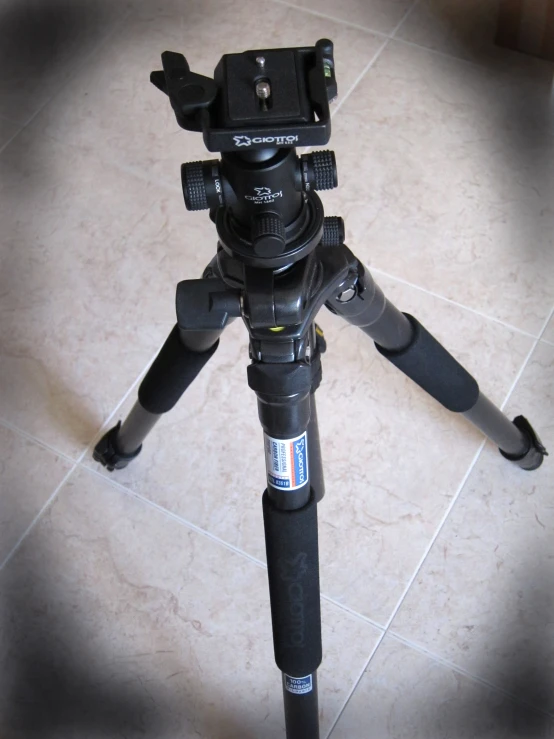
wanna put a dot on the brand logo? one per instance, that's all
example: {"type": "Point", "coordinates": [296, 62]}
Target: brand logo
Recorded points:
{"type": "Point", "coordinates": [242, 140]}
{"type": "Point", "coordinates": [300, 462]}
{"type": "Point", "coordinates": [264, 195]}
{"type": "Point", "coordinates": [278, 140]}
{"type": "Point", "coordinates": [292, 571]}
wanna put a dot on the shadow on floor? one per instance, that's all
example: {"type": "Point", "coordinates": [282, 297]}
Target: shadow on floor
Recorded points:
{"type": "Point", "coordinates": [55, 684]}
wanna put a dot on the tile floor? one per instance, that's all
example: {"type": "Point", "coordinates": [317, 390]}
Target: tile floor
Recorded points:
{"type": "Point", "coordinates": [135, 604]}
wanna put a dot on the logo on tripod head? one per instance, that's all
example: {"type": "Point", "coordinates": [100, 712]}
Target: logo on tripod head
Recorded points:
{"type": "Point", "coordinates": [242, 140]}
{"type": "Point", "coordinates": [263, 195]}
{"type": "Point", "coordinates": [277, 140]}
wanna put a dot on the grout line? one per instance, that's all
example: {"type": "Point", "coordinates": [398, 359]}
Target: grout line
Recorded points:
{"type": "Point", "coordinates": [526, 361]}
{"type": "Point", "coordinates": [437, 533]}
{"type": "Point", "coordinates": [11, 138]}
{"type": "Point", "coordinates": [170, 514]}
{"type": "Point", "coordinates": [443, 54]}
{"type": "Point", "coordinates": [351, 611]}
{"type": "Point", "coordinates": [461, 486]}
{"type": "Point", "coordinates": [356, 683]}
{"type": "Point", "coordinates": [462, 671]}
{"type": "Point", "coordinates": [416, 572]}
{"type": "Point", "coordinates": [449, 300]}
{"type": "Point", "coordinates": [359, 78]}
{"type": "Point", "coordinates": [36, 519]}
{"type": "Point", "coordinates": [403, 20]}
{"type": "Point", "coordinates": [75, 464]}
{"type": "Point", "coordinates": [333, 18]}
{"type": "Point", "coordinates": [37, 441]}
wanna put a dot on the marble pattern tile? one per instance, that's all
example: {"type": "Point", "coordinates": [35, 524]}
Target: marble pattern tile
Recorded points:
{"type": "Point", "coordinates": [393, 457]}
{"type": "Point", "coordinates": [42, 43]}
{"type": "Point", "coordinates": [484, 597]}
{"type": "Point", "coordinates": [377, 15]}
{"type": "Point", "coordinates": [112, 109]}
{"type": "Point", "coordinates": [406, 695]}
{"type": "Point", "coordinates": [118, 620]}
{"type": "Point", "coordinates": [89, 261]}
{"type": "Point", "coordinates": [29, 474]}
{"type": "Point", "coordinates": [449, 184]}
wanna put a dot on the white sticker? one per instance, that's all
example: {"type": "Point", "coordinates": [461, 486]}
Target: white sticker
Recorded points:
{"type": "Point", "coordinates": [287, 461]}
{"type": "Point", "coordinates": [298, 685]}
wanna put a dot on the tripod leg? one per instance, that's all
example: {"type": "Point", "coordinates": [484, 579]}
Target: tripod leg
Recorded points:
{"type": "Point", "coordinates": [290, 522]}
{"type": "Point", "coordinates": [204, 308]}
{"type": "Point", "coordinates": [179, 361]}
{"type": "Point", "coordinates": [405, 342]}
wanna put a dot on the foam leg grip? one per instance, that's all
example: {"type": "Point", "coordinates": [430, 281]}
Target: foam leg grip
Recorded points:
{"type": "Point", "coordinates": [427, 362]}
{"type": "Point", "coordinates": [173, 370]}
{"type": "Point", "coordinates": [293, 571]}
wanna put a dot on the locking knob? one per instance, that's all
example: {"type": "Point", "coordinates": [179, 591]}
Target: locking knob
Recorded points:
{"type": "Point", "coordinates": [333, 231]}
{"type": "Point", "coordinates": [202, 185]}
{"type": "Point", "coordinates": [268, 234]}
{"type": "Point", "coordinates": [319, 170]}
{"type": "Point", "coordinates": [194, 187]}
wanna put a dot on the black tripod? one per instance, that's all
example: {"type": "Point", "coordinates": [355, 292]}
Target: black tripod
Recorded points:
{"type": "Point", "coordinates": [279, 260]}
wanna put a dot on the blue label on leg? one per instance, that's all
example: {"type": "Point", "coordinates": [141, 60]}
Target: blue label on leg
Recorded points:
{"type": "Point", "coordinates": [287, 462]}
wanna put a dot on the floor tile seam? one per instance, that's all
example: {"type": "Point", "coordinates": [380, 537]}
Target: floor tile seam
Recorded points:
{"type": "Point", "coordinates": [36, 440]}
{"type": "Point", "coordinates": [435, 657]}
{"type": "Point", "coordinates": [486, 316]}
{"type": "Point", "coordinates": [39, 515]}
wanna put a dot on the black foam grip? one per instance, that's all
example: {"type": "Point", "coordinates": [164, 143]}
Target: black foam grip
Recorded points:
{"type": "Point", "coordinates": [293, 571]}
{"type": "Point", "coordinates": [173, 370]}
{"type": "Point", "coordinates": [427, 362]}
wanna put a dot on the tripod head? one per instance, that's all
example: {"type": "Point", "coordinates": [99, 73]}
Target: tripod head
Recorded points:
{"type": "Point", "coordinates": [273, 97]}
{"type": "Point", "coordinates": [257, 109]}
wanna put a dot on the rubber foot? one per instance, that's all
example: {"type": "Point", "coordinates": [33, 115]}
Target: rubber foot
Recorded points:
{"type": "Point", "coordinates": [107, 453]}
{"type": "Point", "coordinates": [533, 457]}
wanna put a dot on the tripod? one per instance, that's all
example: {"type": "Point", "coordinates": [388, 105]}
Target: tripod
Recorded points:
{"type": "Point", "coordinates": [278, 261]}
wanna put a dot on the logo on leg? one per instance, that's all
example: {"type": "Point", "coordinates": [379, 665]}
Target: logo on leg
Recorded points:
{"type": "Point", "coordinates": [298, 685]}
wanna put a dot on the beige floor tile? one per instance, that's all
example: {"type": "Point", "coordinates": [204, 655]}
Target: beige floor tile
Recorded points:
{"type": "Point", "coordinates": [120, 621]}
{"type": "Point", "coordinates": [406, 695]}
{"type": "Point", "coordinates": [484, 596]}
{"type": "Point", "coordinates": [113, 110]}
{"type": "Point", "coordinates": [378, 15]}
{"type": "Point", "coordinates": [83, 279]}
{"type": "Point", "coordinates": [42, 43]}
{"type": "Point", "coordinates": [449, 183]}
{"type": "Point", "coordinates": [29, 474]}
{"type": "Point", "coordinates": [463, 28]}
{"type": "Point", "coordinates": [394, 458]}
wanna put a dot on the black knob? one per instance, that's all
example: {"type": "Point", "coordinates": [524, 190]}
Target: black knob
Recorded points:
{"type": "Point", "coordinates": [202, 185]}
{"type": "Point", "coordinates": [319, 170]}
{"type": "Point", "coordinates": [268, 234]}
{"type": "Point", "coordinates": [194, 187]}
{"type": "Point", "coordinates": [333, 231]}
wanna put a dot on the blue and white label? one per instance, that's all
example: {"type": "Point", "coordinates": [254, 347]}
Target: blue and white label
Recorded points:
{"type": "Point", "coordinates": [287, 461]}
{"type": "Point", "coordinates": [298, 685]}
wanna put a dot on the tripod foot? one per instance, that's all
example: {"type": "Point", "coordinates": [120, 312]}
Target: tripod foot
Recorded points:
{"type": "Point", "coordinates": [107, 453]}
{"type": "Point", "coordinates": [533, 457]}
